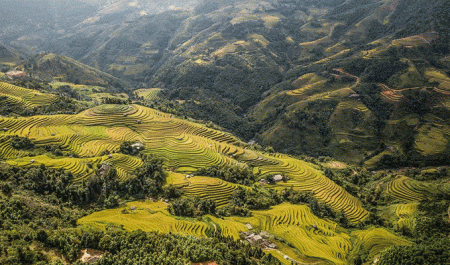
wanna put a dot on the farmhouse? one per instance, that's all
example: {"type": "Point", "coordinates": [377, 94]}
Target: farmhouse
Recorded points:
{"type": "Point", "coordinates": [256, 239]}
{"type": "Point", "coordinates": [138, 146]}
{"type": "Point", "coordinates": [104, 167]}
{"type": "Point", "coordinates": [277, 178]}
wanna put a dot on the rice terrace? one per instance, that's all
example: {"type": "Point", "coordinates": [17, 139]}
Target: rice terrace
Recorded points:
{"type": "Point", "coordinates": [186, 146]}
{"type": "Point", "coordinates": [224, 132]}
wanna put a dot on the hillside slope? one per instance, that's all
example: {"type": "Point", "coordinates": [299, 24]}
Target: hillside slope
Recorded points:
{"type": "Point", "coordinates": [50, 67]}
{"type": "Point", "coordinates": [311, 70]}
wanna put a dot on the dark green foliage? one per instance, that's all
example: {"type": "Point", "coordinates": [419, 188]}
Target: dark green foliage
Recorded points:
{"type": "Point", "coordinates": [19, 255]}
{"type": "Point", "coordinates": [6, 189]}
{"type": "Point", "coordinates": [206, 105]}
{"type": "Point", "coordinates": [68, 91]}
{"type": "Point", "coordinates": [430, 235]}
{"type": "Point", "coordinates": [62, 105]}
{"type": "Point", "coordinates": [47, 222]}
{"type": "Point", "coordinates": [128, 148]}
{"type": "Point", "coordinates": [370, 94]}
{"type": "Point", "coordinates": [235, 210]}
{"type": "Point", "coordinates": [316, 113]}
{"type": "Point", "coordinates": [255, 199]}
{"type": "Point", "coordinates": [420, 102]}
{"type": "Point", "coordinates": [150, 248]}
{"type": "Point", "coordinates": [172, 192]}
{"type": "Point", "coordinates": [308, 127]}
{"type": "Point", "coordinates": [434, 220]}
{"type": "Point", "coordinates": [104, 189]}
{"type": "Point", "coordinates": [21, 143]}
{"type": "Point", "coordinates": [115, 101]}
{"type": "Point", "coordinates": [431, 252]}
{"type": "Point", "coordinates": [234, 174]}
{"type": "Point", "coordinates": [379, 71]}
{"type": "Point", "coordinates": [192, 207]}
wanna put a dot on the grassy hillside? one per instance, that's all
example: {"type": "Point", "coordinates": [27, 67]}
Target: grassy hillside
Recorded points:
{"type": "Point", "coordinates": [48, 66]}
{"type": "Point", "coordinates": [185, 146]}
{"type": "Point", "coordinates": [24, 97]}
{"type": "Point", "coordinates": [268, 70]}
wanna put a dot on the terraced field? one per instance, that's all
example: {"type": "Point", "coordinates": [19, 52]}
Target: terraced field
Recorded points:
{"type": "Point", "coordinates": [307, 238]}
{"type": "Point", "coordinates": [147, 93]}
{"type": "Point", "coordinates": [307, 85]}
{"type": "Point", "coordinates": [84, 167]}
{"type": "Point", "coordinates": [79, 88]}
{"type": "Point", "coordinates": [147, 216]}
{"type": "Point", "coordinates": [24, 96]}
{"type": "Point", "coordinates": [305, 178]}
{"type": "Point", "coordinates": [434, 75]}
{"type": "Point", "coordinates": [409, 190]}
{"type": "Point", "coordinates": [185, 146]}
{"type": "Point", "coordinates": [295, 224]}
{"type": "Point", "coordinates": [153, 216]}
{"type": "Point", "coordinates": [406, 214]}
{"type": "Point", "coordinates": [210, 188]}
{"type": "Point", "coordinates": [204, 187]}
{"type": "Point", "coordinates": [375, 240]}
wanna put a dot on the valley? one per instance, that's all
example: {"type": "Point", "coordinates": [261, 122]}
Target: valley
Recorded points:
{"type": "Point", "coordinates": [225, 132]}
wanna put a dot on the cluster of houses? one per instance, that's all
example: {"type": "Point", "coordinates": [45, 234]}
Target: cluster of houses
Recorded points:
{"type": "Point", "coordinates": [258, 239]}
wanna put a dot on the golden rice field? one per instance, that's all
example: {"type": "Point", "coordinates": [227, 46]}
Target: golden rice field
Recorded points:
{"type": "Point", "coordinates": [295, 224]}
{"type": "Point", "coordinates": [375, 240]}
{"type": "Point", "coordinates": [147, 93]}
{"type": "Point", "coordinates": [24, 96]}
{"type": "Point", "coordinates": [432, 138]}
{"type": "Point", "coordinates": [148, 217]}
{"type": "Point", "coordinates": [204, 187]}
{"type": "Point", "coordinates": [80, 88]}
{"type": "Point", "coordinates": [406, 214]}
{"type": "Point", "coordinates": [154, 217]}
{"type": "Point", "coordinates": [305, 178]}
{"type": "Point", "coordinates": [210, 188]}
{"type": "Point", "coordinates": [408, 190]}
{"type": "Point", "coordinates": [182, 144]}
{"type": "Point", "coordinates": [308, 238]}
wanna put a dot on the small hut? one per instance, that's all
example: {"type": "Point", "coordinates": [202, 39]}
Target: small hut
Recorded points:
{"type": "Point", "coordinates": [277, 178]}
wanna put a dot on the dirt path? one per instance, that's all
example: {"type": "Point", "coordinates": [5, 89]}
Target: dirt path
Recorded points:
{"type": "Point", "coordinates": [295, 261]}
{"type": "Point", "coordinates": [347, 74]}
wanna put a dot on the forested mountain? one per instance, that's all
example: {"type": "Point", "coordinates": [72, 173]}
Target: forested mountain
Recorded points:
{"type": "Point", "coordinates": [268, 69]}
{"type": "Point", "coordinates": [49, 66]}
{"type": "Point", "coordinates": [224, 132]}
